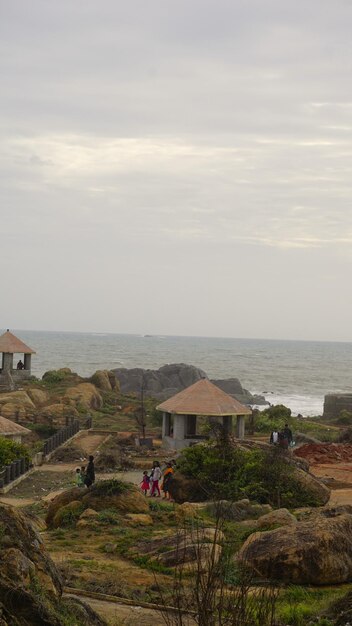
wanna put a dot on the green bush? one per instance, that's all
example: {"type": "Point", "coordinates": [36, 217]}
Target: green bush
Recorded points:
{"type": "Point", "coordinates": [10, 451]}
{"type": "Point", "coordinates": [278, 411]}
{"type": "Point", "coordinates": [44, 431]}
{"type": "Point", "coordinates": [54, 376]}
{"type": "Point", "coordinates": [112, 487]}
{"type": "Point", "coordinates": [230, 473]}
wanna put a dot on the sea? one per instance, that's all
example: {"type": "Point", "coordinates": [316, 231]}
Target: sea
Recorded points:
{"type": "Point", "coordinates": [295, 373]}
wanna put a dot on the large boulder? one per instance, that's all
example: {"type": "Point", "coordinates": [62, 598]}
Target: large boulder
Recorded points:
{"type": "Point", "coordinates": [172, 378]}
{"type": "Point", "coordinates": [38, 396]}
{"type": "Point", "coordinates": [25, 552]}
{"type": "Point", "coordinates": [58, 412]}
{"type": "Point", "coordinates": [184, 489]}
{"type": "Point", "coordinates": [11, 410]}
{"type": "Point", "coordinates": [17, 397]}
{"type": "Point", "coordinates": [101, 380]}
{"type": "Point", "coordinates": [279, 517]}
{"type": "Point", "coordinates": [318, 553]}
{"type": "Point", "coordinates": [312, 486]}
{"type": "Point", "coordinates": [105, 494]}
{"type": "Point", "coordinates": [30, 584]}
{"type": "Point", "coordinates": [85, 395]}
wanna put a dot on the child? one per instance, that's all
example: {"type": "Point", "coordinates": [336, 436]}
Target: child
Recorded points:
{"type": "Point", "coordinates": [145, 484]}
{"type": "Point", "coordinates": [155, 477]}
{"type": "Point", "coordinates": [80, 477]}
{"type": "Point", "coordinates": [167, 479]}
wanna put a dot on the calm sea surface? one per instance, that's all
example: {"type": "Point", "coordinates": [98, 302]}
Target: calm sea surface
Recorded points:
{"type": "Point", "coordinates": [296, 373]}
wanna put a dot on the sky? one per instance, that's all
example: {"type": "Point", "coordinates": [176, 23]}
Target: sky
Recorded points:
{"type": "Point", "coordinates": [177, 168]}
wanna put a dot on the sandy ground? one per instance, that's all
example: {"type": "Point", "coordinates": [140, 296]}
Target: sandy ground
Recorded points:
{"type": "Point", "coordinates": [340, 480]}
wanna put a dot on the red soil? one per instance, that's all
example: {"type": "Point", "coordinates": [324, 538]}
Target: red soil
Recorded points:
{"type": "Point", "coordinates": [323, 453]}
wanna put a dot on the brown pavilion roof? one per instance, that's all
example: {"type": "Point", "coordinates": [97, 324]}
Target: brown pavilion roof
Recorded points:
{"type": "Point", "coordinates": [11, 344]}
{"type": "Point", "coordinates": [203, 398]}
{"type": "Point", "coordinates": [7, 427]}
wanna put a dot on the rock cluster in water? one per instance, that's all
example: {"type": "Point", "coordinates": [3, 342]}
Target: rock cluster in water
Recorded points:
{"type": "Point", "coordinates": [170, 379]}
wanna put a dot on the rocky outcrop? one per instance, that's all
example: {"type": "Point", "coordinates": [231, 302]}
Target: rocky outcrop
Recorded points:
{"type": "Point", "coordinates": [170, 379]}
{"type": "Point", "coordinates": [38, 396]}
{"type": "Point", "coordinates": [17, 397]}
{"type": "Point", "coordinates": [85, 395]}
{"type": "Point", "coordinates": [334, 403]}
{"type": "Point", "coordinates": [318, 553]}
{"type": "Point", "coordinates": [104, 380]}
{"type": "Point", "coordinates": [106, 494]}
{"type": "Point", "coordinates": [30, 584]}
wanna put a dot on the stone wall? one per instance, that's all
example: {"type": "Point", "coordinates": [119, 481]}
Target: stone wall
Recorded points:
{"type": "Point", "coordinates": [334, 403]}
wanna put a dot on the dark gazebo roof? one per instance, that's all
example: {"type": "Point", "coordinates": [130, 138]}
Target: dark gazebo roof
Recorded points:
{"type": "Point", "coordinates": [203, 398]}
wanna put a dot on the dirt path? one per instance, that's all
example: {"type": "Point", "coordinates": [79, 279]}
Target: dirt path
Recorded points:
{"type": "Point", "coordinates": [116, 613]}
{"type": "Point", "coordinates": [340, 480]}
{"type": "Point", "coordinates": [90, 442]}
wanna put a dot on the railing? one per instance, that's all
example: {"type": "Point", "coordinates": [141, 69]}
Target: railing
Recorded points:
{"type": "Point", "coordinates": [19, 467]}
{"type": "Point", "coordinates": [60, 437]}
{"type": "Point", "coordinates": [13, 471]}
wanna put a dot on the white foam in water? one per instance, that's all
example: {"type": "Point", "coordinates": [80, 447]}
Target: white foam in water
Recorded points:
{"type": "Point", "coordinates": [304, 405]}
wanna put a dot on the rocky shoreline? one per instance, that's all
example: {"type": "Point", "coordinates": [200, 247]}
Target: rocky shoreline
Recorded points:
{"type": "Point", "coordinates": [172, 378]}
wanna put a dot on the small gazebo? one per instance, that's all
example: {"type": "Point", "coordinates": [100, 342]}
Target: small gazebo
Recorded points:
{"type": "Point", "coordinates": [11, 375]}
{"type": "Point", "coordinates": [11, 430]}
{"type": "Point", "coordinates": [203, 398]}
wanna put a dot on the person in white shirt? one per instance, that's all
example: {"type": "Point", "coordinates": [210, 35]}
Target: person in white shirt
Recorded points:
{"type": "Point", "coordinates": [274, 437]}
{"type": "Point", "coordinates": [155, 477]}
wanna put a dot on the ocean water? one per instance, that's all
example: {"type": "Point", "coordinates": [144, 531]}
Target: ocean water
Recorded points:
{"type": "Point", "coordinates": [295, 373]}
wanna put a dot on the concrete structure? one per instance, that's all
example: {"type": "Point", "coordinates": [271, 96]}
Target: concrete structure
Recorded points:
{"type": "Point", "coordinates": [10, 376]}
{"type": "Point", "coordinates": [201, 399]}
{"type": "Point", "coordinates": [11, 430]}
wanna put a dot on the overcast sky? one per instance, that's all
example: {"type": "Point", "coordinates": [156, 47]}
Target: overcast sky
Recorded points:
{"type": "Point", "coordinates": [177, 167]}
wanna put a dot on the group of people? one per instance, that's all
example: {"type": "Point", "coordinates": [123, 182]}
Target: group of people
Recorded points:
{"type": "Point", "coordinates": [85, 476]}
{"type": "Point", "coordinates": [282, 438]}
{"type": "Point", "coordinates": [151, 480]}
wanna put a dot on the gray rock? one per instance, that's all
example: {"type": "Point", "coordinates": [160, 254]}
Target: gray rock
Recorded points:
{"type": "Point", "coordinates": [170, 379]}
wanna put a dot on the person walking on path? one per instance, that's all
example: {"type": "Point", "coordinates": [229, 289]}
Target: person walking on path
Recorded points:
{"type": "Point", "coordinates": [145, 484]}
{"type": "Point", "coordinates": [90, 472]}
{"type": "Point", "coordinates": [274, 437]}
{"type": "Point", "coordinates": [155, 477]}
{"type": "Point", "coordinates": [167, 478]}
{"type": "Point", "coordinates": [288, 434]}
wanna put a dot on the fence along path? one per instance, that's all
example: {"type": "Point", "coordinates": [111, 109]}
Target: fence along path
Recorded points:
{"type": "Point", "coordinates": [19, 467]}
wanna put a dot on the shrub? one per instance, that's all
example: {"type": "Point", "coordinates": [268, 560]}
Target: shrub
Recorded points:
{"type": "Point", "coordinates": [111, 487]}
{"type": "Point", "coordinates": [228, 472]}
{"type": "Point", "coordinates": [10, 451]}
{"type": "Point", "coordinates": [278, 411]}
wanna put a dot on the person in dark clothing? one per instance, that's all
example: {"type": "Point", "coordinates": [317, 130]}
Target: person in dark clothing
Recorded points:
{"type": "Point", "coordinates": [90, 472]}
{"type": "Point", "coordinates": [20, 365]}
{"type": "Point", "coordinates": [288, 434]}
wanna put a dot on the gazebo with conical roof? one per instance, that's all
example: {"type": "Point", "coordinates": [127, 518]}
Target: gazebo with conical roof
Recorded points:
{"type": "Point", "coordinates": [10, 376]}
{"type": "Point", "coordinates": [203, 398]}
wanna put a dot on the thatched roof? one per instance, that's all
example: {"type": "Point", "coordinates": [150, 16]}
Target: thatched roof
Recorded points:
{"type": "Point", "coordinates": [203, 398]}
{"type": "Point", "coordinates": [11, 344]}
{"type": "Point", "coordinates": [7, 427]}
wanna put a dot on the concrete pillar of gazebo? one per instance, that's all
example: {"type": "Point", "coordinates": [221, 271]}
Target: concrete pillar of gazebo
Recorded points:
{"type": "Point", "coordinates": [166, 427]}
{"type": "Point", "coordinates": [240, 426]}
{"type": "Point", "coordinates": [179, 427]}
{"type": "Point", "coordinates": [27, 362]}
{"type": "Point", "coordinates": [7, 362]}
{"type": "Point", "coordinates": [227, 424]}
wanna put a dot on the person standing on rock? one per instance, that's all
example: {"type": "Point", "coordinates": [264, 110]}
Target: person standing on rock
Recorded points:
{"type": "Point", "coordinates": [155, 477]}
{"type": "Point", "coordinates": [90, 472]}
